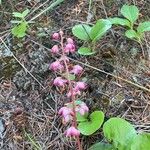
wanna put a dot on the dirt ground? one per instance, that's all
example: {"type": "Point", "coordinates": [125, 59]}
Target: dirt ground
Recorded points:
{"type": "Point", "coordinates": [28, 100]}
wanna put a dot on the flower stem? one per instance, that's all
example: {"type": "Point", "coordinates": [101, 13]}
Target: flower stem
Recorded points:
{"type": "Point", "coordinates": [74, 123]}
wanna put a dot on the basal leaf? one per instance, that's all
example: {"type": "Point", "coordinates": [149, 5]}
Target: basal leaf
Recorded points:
{"type": "Point", "coordinates": [119, 21]}
{"type": "Point", "coordinates": [85, 51]}
{"type": "Point", "coordinates": [81, 118]}
{"type": "Point", "coordinates": [130, 12]}
{"type": "Point", "coordinates": [99, 29]}
{"type": "Point", "coordinates": [25, 12]}
{"type": "Point", "coordinates": [101, 146]}
{"type": "Point", "coordinates": [119, 132]}
{"type": "Point", "coordinates": [19, 30]}
{"type": "Point", "coordinates": [89, 127]}
{"type": "Point", "coordinates": [141, 142]}
{"type": "Point", "coordinates": [131, 34]}
{"type": "Point", "coordinates": [82, 31]}
{"type": "Point", "coordinates": [145, 26]}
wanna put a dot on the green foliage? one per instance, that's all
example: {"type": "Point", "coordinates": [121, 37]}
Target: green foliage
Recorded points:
{"type": "Point", "coordinates": [101, 146]}
{"type": "Point", "coordinates": [119, 132]}
{"type": "Point", "coordinates": [93, 124]}
{"type": "Point", "coordinates": [85, 51]}
{"type": "Point", "coordinates": [122, 136]}
{"type": "Point", "coordinates": [141, 142]}
{"type": "Point", "coordinates": [131, 14]}
{"type": "Point", "coordinates": [20, 29]}
{"type": "Point", "coordinates": [90, 34]}
{"type": "Point", "coordinates": [82, 31]}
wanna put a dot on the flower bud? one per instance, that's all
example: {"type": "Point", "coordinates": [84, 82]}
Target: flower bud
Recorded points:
{"type": "Point", "coordinates": [82, 108]}
{"type": "Point", "coordinates": [55, 36]}
{"type": "Point", "coordinates": [55, 49]}
{"type": "Point", "coordinates": [61, 32]}
{"type": "Point", "coordinates": [72, 131]}
{"type": "Point", "coordinates": [77, 69]}
{"type": "Point", "coordinates": [70, 41]}
{"type": "Point", "coordinates": [73, 93]}
{"type": "Point", "coordinates": [56, 66]}
{"type": "Point", "coordinates": [59, 82]}
{"type": "Point", "coordinates": [80, 86]}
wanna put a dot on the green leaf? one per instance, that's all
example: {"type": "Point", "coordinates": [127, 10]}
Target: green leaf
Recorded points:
{"type": "Point", "coordinates": [119, 132]}
{"type": "Point", "coordinates": [17, 14]}
{"type": "Point", "coordinates": [119, 21]}
{"type": "Point", "coordinates": [82, 31]}
{"type": "Point", "coordinates": [141, 142]}
{"type": "Point", "coordinates": [101, 146]}
{"type": "Point", "coordinates": [131, 34]}
{"type": "Point", "coordinates": [81, 118]}
{"type": "Point", "coordinates": [25, 12]}
{"type": "Point", "coordinates": [85, 51]}
{"type": "Point", "coordinates": [145, 26]}
{"type": "Point", "coordinates": [89, 127]}
{"type": "Point", "coordinates": [21, 15]}
{"type": "Point", "coordinates": [130, 12]}
{"type": "Point", "coordinates": [19, 30]}
{"type": "Point", "coordinates": [99, 29]}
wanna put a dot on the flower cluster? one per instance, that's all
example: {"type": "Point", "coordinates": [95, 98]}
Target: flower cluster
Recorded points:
{"type": "Point", "coordinates": [73, 88]}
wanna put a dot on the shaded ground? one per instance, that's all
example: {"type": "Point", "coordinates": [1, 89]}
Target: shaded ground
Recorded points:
{"type": "Point", "coordinates": [28, 111]}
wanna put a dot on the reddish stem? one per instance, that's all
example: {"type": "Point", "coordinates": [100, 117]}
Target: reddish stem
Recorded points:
{"type": "Point", "coordinates": [74, 123]}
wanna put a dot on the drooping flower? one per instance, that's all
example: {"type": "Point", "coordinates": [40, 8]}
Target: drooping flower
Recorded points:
{"type": "Point", "coordinates": [82, 108]}
{"type": "Point", "coordinates": [77, 69]}
{"type": "Point", "coordinates": [72, 131]}
{"type": "Point", "coordinates": [55, 49]}
{"type": "Point", "coordinates": [55, 36]}
{"type": "Point", "coordinates": [56, 66]}
{"type": "Point", "coordinates": [74, 92]}
{"type": "Point", "coordinates": [80, 86]}
{"type": "Point", "coordinates": [60, 82]}
{"type": "Point", "coordinates": [69, 48]}
{"type": "Point", "coordinates": [66, 113]}
{"type": "Point", "coordinates": [70, 41]}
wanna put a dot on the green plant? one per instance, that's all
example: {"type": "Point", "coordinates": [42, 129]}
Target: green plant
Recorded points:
{"type": "Point", "coordinates": [121, 135]}
{"type": "Point", "coordinates": [131, 14]}
{"type": "Point", "coordinates": [20, 29]}
{"type": "Point", "coordinates": [90, 34]}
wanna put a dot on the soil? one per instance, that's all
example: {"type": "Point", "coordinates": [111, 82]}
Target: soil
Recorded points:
{"type": "Point", "coordinates": [28, 101]}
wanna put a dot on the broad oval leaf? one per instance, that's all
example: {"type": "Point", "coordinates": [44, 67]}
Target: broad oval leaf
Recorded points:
{"type": "Point", "coordinates": [85, 51]}
{"type": "Point", "coordinates": [131, 34]}
{"type": "Point", "coordinates": [119, 21]}
{"type": "Point", "coordinates": [101, 146]}
{"type": "Point", "coordinates": [130, 12]}
{"type": "Point", "coordinates": [119, 132]}
{"type": "Point", "coordinates": [141, 142]}
{"type": "Point", "coordinates": [82, 31]}
{"type": "Point", "coordinates": [99, 29]}
{"type": "Point", "coordinates": [145, 26]}
{"type": "Point", "coordinates": [89, 127]}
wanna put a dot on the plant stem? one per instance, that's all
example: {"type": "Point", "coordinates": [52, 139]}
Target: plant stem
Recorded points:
{"type": "Point", "coordinates": [71, 90]}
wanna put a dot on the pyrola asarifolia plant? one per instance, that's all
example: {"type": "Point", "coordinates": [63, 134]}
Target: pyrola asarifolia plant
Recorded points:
{"type": "Point", "coordinates": [67, 81]}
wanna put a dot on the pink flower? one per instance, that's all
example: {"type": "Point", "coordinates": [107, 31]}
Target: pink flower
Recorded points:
{"type": "Point", "coordinates": [55, 36]}
{"type": "Point", "coordinates": [80, 86]}
{"type": "Point", "coordinates": [82, 108]}
{"type": "Point", "coordinates": [66, 113]}
{"type": "Point", "coordinates": [72, 131]}
{"type": "Point", "coordinates": [73, 93]}
{"type": "Point", "coordinates": [55, 49]}
{"type": "Point", "coordinates": [77, 69]}
{"type": "Point", "coordinates": [69, 48]}
{"type": "Point", "coordinates": [56, 66]}
{"type": "Point", "coordinates": [70, 41]}
{"type": "Point", "coordinates": [59, 82]}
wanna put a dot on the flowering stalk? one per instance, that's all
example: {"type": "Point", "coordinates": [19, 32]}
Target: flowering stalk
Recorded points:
{"type": "Point", "coordinates": [69, 111]}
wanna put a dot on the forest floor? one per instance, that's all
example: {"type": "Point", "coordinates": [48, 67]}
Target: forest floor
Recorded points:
{"type": "Point", "coordinates": [28, 101]}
